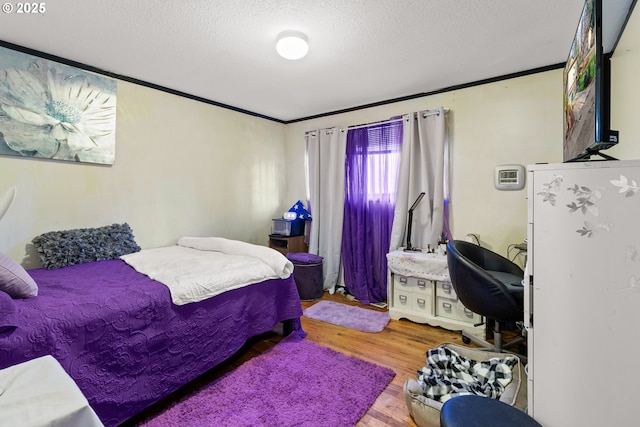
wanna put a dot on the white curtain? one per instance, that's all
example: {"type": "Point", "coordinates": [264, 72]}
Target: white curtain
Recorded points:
{"type": "Point", "coordinates": [325, 175]}
{"type": "Point", "coordinates": [423, 168]}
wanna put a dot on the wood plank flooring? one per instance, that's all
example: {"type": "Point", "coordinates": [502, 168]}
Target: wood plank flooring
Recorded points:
{"type": "Point", "coordinates": [401, 346]}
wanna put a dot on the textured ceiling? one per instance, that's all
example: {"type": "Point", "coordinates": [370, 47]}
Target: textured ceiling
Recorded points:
{"type": "Point", "coordinates": [361, 51]}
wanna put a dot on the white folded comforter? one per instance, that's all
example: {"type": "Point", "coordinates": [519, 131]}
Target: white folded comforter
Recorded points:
{"type": "Point", "coordinates": [198, 268]}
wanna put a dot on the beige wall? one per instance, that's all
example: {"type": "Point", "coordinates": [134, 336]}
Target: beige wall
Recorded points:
{"type": "Point", "coordinates": [182, 168]}
{"type": "Point", "coordinates": [189, 168]}
{"type": "Point", "coordinates": [625, 91]}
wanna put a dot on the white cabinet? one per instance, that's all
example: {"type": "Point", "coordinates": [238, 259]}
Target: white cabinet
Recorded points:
{"type": "Point", "coordinates": [420, 290]}
{"type": "Point", "coordinates": [582, 302]}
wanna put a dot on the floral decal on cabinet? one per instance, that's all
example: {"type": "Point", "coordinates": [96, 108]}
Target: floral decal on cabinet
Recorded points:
{"type": "Point", "coordinates": [550, 190]}
{"type": "Point", "coordinates": [585, 203]}
{"type": "Point", "coordinates": [631, 255]}
{"type": "Point", "coordinates": [627, 188]}
{"type": "Point", "coordinates": [589, 228]}
{"type": "Point", "coordinates": [586, 200]}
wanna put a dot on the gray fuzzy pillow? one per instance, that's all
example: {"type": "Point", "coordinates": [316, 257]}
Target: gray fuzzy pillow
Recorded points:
{"type": "Point", "coordinates": [62, 248]}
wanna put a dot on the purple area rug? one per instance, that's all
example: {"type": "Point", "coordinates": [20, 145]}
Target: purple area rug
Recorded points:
{"type": "Point", "coordinates": [296, 383]}
{"type": "Point", "coordinates": [349, 316]}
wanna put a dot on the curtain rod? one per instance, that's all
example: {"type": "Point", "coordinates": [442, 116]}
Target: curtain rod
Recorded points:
{"type": "Point", "coordinates": [342, 129]}
{"type": "Point", "coordinates": [384, 122]}
{"type": "Point", "coordinates": [327, 130]}
{"type": "Point", "coordinates": [424, 114]}
{"type": "Point", "coordinates": [432, 112]}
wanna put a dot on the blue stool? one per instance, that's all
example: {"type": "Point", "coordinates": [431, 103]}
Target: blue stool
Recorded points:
{"type": "Point", "coordinates": [478, 411]}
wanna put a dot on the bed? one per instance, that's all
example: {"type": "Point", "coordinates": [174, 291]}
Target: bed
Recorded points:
{"type": "Point", "coordinates": [120, 336]}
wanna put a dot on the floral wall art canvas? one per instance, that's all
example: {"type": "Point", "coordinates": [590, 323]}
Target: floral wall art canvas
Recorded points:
{"type": "Point", "coordinates": [55, 111]}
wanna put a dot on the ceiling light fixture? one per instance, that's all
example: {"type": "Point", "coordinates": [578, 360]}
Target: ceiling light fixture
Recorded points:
{"type": "Point", "coordinates": [292, 45]}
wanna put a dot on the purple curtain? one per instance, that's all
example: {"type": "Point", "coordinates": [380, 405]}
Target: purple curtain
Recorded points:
{"type": "Point", "coordinates": [371, 175]}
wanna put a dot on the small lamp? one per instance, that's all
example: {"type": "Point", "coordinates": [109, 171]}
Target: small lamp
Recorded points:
{"type": "Point", "coordinates": [292, 45]}
{"type": "Point", "coordinates": [410, 248]}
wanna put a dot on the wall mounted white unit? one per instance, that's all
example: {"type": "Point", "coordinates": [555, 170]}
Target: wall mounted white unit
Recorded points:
{"type": "Point", "coordinates": [509, 177]}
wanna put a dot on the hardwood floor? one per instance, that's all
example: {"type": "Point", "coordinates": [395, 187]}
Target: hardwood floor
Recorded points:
{"type": "Point", "coordinates": [401, 346]}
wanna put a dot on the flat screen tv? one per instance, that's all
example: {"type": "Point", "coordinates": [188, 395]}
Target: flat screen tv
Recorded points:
{"type": "Point", "coordinates": [587, 90]}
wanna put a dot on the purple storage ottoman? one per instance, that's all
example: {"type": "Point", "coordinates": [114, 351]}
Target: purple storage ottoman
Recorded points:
{"type": "Point", "coordinates": [307, 273]}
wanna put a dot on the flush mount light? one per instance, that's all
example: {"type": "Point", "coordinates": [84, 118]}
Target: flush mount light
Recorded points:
{"type": "Point", "coordinates": [292, 44]}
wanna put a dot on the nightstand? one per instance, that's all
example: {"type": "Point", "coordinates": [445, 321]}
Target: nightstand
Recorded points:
{"type": "Point", "coordinates": [286, 244]}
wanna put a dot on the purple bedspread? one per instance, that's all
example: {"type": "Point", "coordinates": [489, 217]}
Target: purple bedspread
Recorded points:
{"type": "Point", "coordinates": [119, 336]}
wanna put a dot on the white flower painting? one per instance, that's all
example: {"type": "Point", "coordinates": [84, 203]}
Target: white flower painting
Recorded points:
{"type": "Point", "coordinates": [54, 111]}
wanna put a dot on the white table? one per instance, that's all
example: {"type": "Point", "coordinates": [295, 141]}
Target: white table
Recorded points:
{"type": "Point", "coordinates": [40, 393]}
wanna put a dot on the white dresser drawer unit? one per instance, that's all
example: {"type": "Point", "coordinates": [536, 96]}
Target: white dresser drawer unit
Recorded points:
{"type": "Point", "coordinates": [413, 284]}
{"type": "Point", "coordinates": [421, 304]}
{"type": "Point", "coordinates": [413, 294]}
{"type": "Point", "coordinates": [454, 309]}
{"type": "Point", "coordinates": [419, 289]}
{"type": "Point", "coordinates": [445, 289]}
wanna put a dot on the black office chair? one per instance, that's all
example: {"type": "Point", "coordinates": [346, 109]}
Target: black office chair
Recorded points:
{"type": "Point", "coordinates": [489, 285]}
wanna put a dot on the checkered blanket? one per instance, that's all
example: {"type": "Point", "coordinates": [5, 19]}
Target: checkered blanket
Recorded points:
{"type": "Point", "coordinates": [447, 374]}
